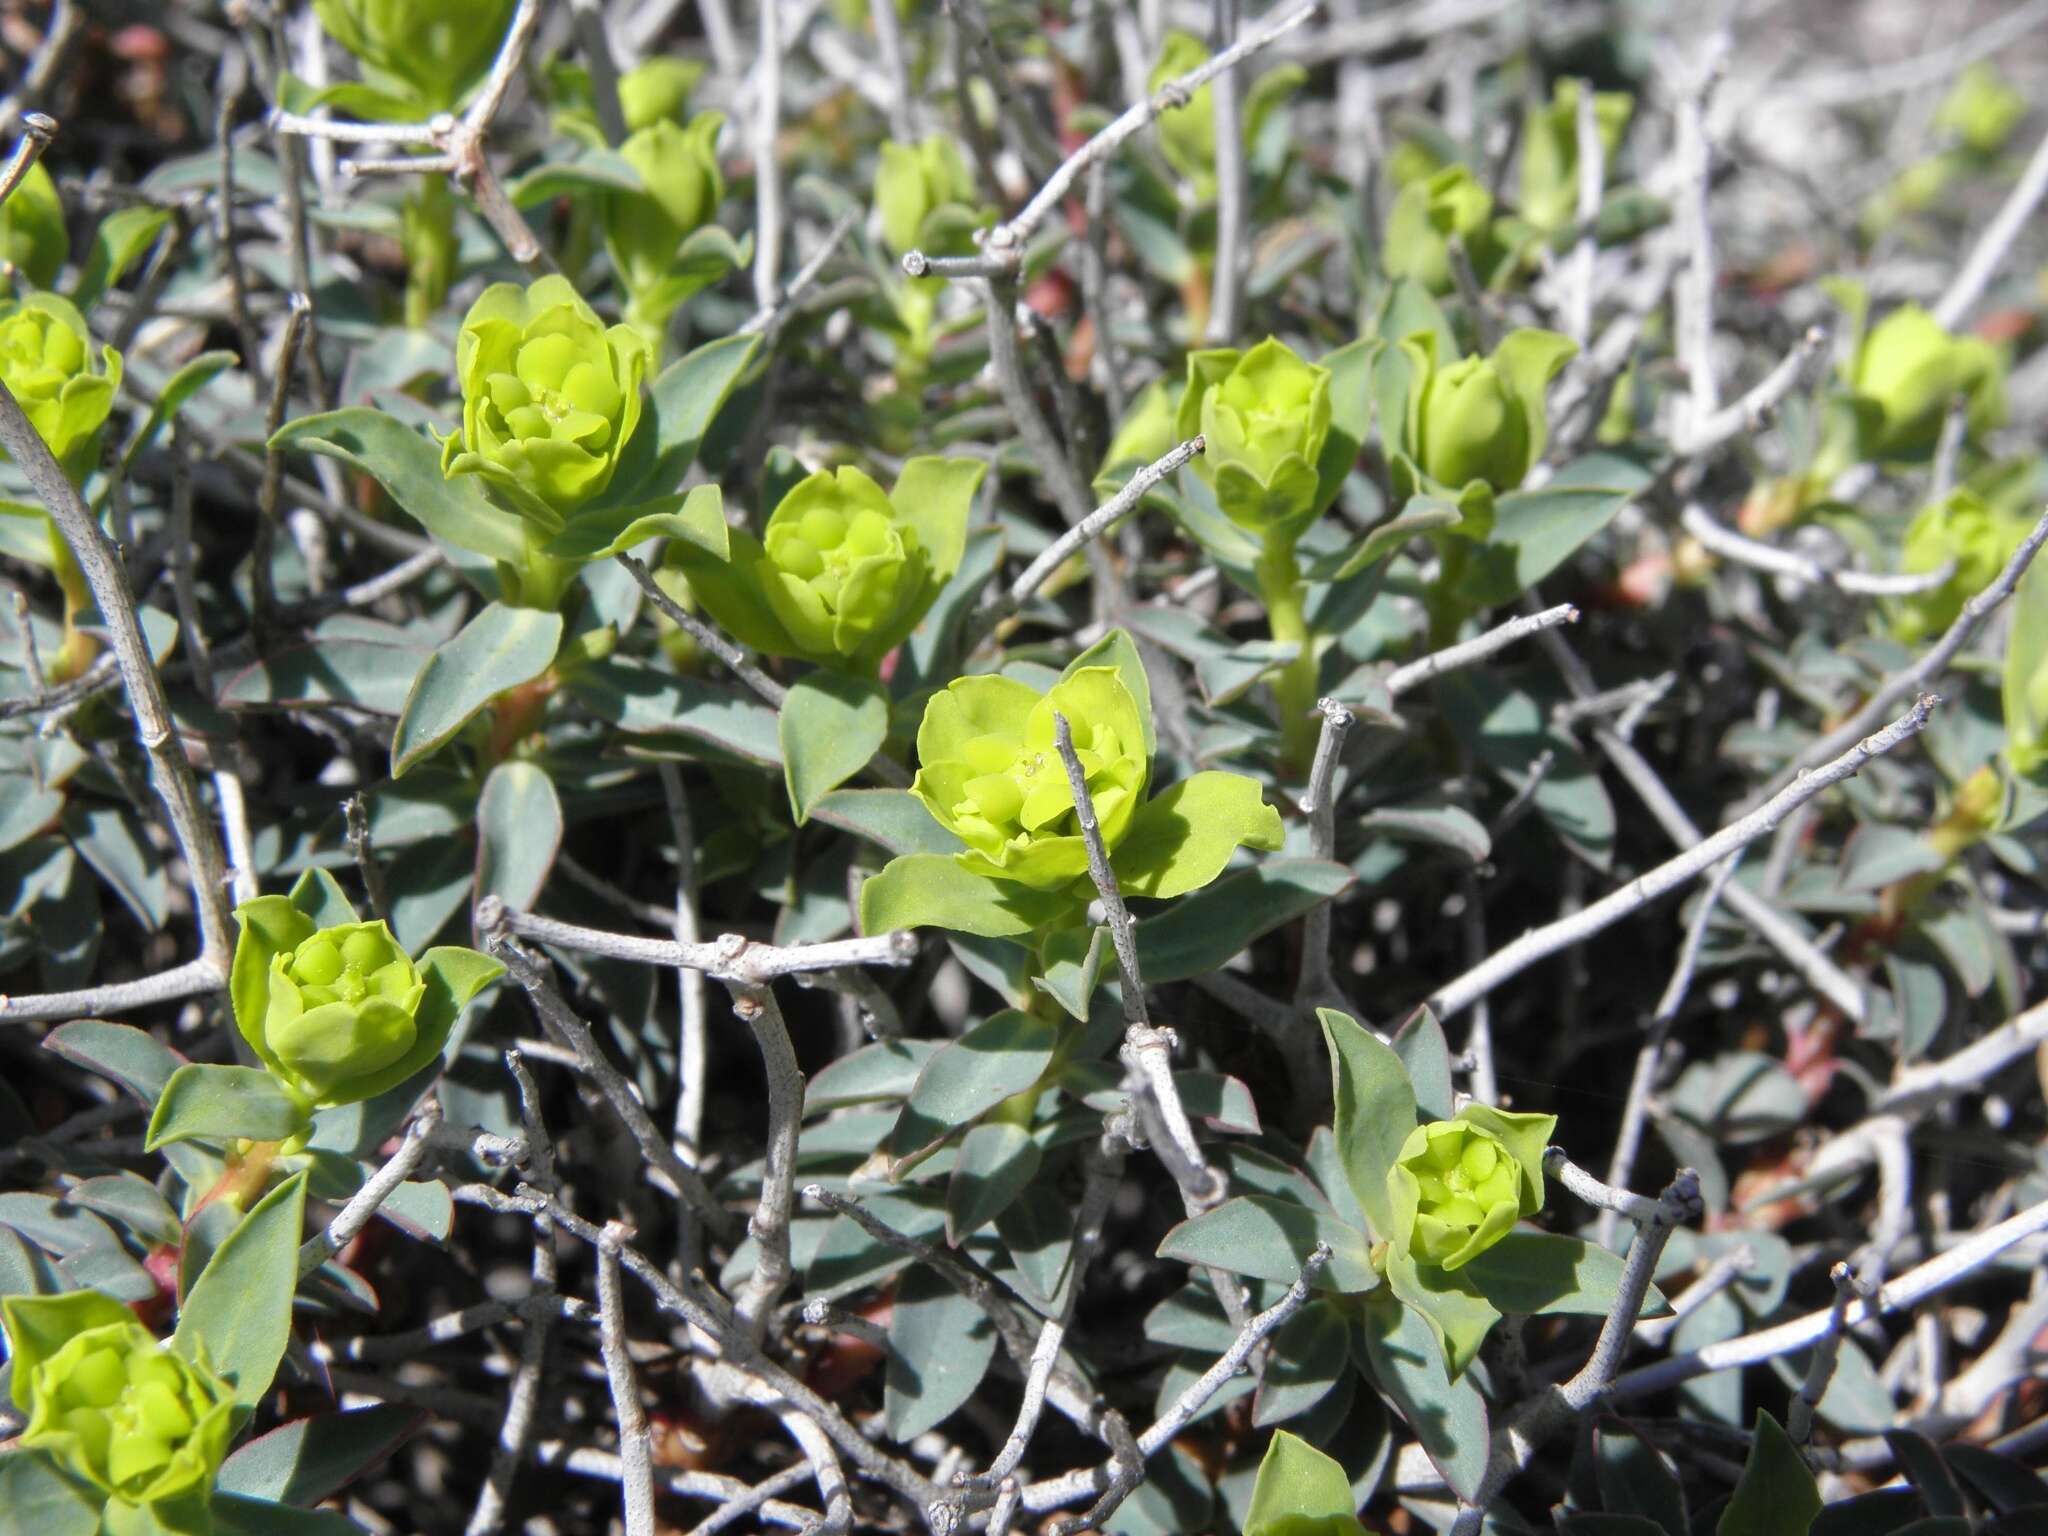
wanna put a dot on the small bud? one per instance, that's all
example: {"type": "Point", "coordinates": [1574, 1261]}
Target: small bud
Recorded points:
{"type": "Point", "coordinates": [927, 199]}
{"type": "Point", "coordinates": [1425, 215]}
{"type": "Point", "coordinates": [1481, 421]}
{"type": "Point", "coordinates": [1905, 372]}
{"type": "Point", "coordinates": [1265, 415]}
{"type": "Point", "coordinates": [339, 1014]}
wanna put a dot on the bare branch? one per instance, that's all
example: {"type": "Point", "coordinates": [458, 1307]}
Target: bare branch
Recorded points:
{"type": "Point", "coordinates": [1541, 943]}
{"type": "Point", "coordinates": [1908, 1290]}
{"type": "Point", "coordinates": [154, 729]}
{"type": "Point", "coordinates": [1465, 653]}
{"type": "Point", "coordinates": [37, 129]}
{"type": "Point", "coordinates": [355, 1216]}
{"type": "Point", "coordinates": [634, 1457]}
{"type": "Point", "coordinates": [731, 957]}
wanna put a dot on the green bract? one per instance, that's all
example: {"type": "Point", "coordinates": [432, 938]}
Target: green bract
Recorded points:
{"type": "Point", "coordinates": [139, 1424]}
{"type": "Point", "coordinates": [47, 363]}
{"type": "Point", "coordinates": [429, 52]}
{"type": "Point", "coordinates": [1976, 536]}
{"type": "Point", "coordinates": [33, 239]}
{"type": "Point", "coordinates": [340, 1014]}
{"type": "Point", "coordinates": [550, 397]}
{"type": "Point", "coordinates": [1548, 194]}
{"type": "Point", "coordinates": [1457, 1189]}
{"type": "Point", "coordinates": [1147, 431]}
{"type": "Point", "coordinates": [1901, 378]}
{"type": "Point", "coordinates": [1910, 368]}
{"type": "Point", "coordinates": [644, 230]}
{"type": "Point", "coordinates": [926, 196]}
{"type": "Point", "coordinates": [1480, 422]}
{"type": "Point", "coordinates": [1301, 1492]}
{"type": "Point", "coordinates": [1425, 215]}
{"type": "Point", "coordinates": [1266, 416]}
{"type": "Point", "coordinates": [2025, 679]}
{"type": "Point", "coordinates": [844, 571]}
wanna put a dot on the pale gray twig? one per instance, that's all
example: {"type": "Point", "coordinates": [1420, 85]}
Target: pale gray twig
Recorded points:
{"type": "Point", "coordinates": [1906, 1291]}
{"type": "Point", "coordinates": [1703, 430]}
{"type": "Point", "coordinates": [635, 1460]}
{"type": "Point", "coordinates": [1478, 648]}
{"type": "Point", "coordinates": [730, 957]}
{"type": "Point", "coordinates": [1820, 1369]}
{"type": "Point", "coordinates": [1991, 247]}
{"type": "Point", "coordinates": [1233, 183]}
{"type": "Point", "coordinates": [37, 129]}
{"type": "Point", "coordinates": [366, 1202]}
{"type": "Point", "coordinates": [169, 771]}
{"type": "Point", "coordinates": [1539, 943]}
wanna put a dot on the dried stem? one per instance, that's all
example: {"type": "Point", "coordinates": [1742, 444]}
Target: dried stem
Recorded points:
{"type": "Point", "coordinates": [637, 1483]}
{"type": "Point", "coordinates": [169, 771]}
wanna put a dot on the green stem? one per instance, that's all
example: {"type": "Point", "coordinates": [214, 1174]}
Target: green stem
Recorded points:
{"type": "Point", "coordinates": [544, 581]}
{"type": "Point", "coordinates": [427, 232]}
{"type": "Point", "coordinates": [1294, 690]}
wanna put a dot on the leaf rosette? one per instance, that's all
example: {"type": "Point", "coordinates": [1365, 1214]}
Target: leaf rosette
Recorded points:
{"type": "Point", "coordinates": [991, 775]}
{"type": "Point", "coordinates": [140, 1425]}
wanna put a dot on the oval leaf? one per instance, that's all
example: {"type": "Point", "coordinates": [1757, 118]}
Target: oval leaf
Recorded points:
{"type": "Point", "coordinates": [498, 649]}
{"type": "Point", "coordinates": [828, 728]}
{"type": "Point", "coordinates": [209, 1103]}
{"type": "Point", "coordinates": [239, 1311]}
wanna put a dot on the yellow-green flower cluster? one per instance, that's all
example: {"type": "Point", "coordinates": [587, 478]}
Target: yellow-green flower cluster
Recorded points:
{"type": "Point", "coordinates": [1459, 1186]}
{"type": "Point", "coordinates": [1266, 416]}
{"type": "Point", "coordinates": [48, 364]}
{"type": "Point", "coordinates": [550, 397]}
{"type": "Point", "coordinates": [131, 1419]}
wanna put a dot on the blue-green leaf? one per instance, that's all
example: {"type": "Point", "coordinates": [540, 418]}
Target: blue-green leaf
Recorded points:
{"type": "Point", "coordinates": [498, 649]}
{"type": "Point", "coordinates": [238, 1314]}
{"type": "Point", "coordinates": [1777, 1495]}
{"type": "Point", "coordinates": [1205, 930]}
{"type": "Point", "coordinates": [518, 834]}
{"type": "Point", "coordinates": [829, 726]}
{"type": "Point", "coordinates": [968, 1077]}
{"type": "Point", "coordinates": [1375, 1111]}
{"type": "Point", "coordinates": [1270, 1239]}
{"type": "Point", "coordinates": [408, 465]}
{"type": "Point", "coordinates": [211, 1103]}
{"type": "Point", "coordinates": [309, 1459]}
